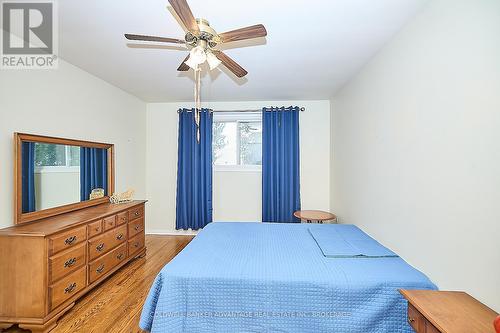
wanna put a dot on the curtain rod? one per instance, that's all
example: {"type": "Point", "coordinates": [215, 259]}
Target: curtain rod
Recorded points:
{"type": "Point", "coordinates": [302, 109]}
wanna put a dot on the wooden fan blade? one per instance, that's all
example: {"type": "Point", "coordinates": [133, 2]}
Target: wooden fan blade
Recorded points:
{"type": "Point", "coordinates": [230, 64]}
{"type": "Point", "coordinates": [182, 9]}
{"type": "Point", "coordinates": [253, 31]}
{"type": "Point", "coordinates": [154, 39]}
{"type": "Point", "coordinates": [183, 67]}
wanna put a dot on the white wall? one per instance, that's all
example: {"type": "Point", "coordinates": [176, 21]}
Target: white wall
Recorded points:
{"type": "Point", "coordinates": [237, 196]}
{"type": "Point", "coordinates": [233, 202]}
{"type": "Point", "coordinates": [417, 146]}
{"type": "Point", "coordinates": [69, 102]}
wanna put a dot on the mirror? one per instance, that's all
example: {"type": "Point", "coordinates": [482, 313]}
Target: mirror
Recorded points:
{"type": "Point", "coordinates": [56, 175]}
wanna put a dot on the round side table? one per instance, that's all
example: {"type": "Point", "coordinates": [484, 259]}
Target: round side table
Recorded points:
{"type": "Point", "coordinates": [310, 216]}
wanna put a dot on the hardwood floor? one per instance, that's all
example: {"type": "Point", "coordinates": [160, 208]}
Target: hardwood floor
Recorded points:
{"type": "Point", "coordinates": [116, 304]}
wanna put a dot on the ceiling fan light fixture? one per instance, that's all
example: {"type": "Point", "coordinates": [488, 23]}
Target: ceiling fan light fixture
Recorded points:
{"type": "Point", "coordinates": [191, 63]}
{"type": "Point", "coordinates": [212, 60]}
{"type": "Point", "coordinates": [197, 56]}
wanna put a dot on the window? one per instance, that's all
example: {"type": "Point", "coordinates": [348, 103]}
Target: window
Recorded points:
{"type": "Point", "coordinates": [56, 158]}
{"type": "Point", "coordinates": [237, 141]}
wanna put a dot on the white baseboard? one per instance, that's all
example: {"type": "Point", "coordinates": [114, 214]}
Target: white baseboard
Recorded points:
{"type": "Point", "coordinates": [171, 232]}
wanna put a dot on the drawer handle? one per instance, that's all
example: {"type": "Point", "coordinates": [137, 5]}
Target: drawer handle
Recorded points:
{"type": "Point", "coordinates": [70, 240]}
{"type": "Point", "coordinates": [136, 244]}
{"type": "Point", "coordinates": [119, 237]}
{"type": "Point", "coordinates": [136, 213]}
{"type": "Point", "coordinates": [120, 256]}
{"type": "Point", "coordinates": [411, 320]}
{"type": "Point", "coordinates": [137, 227]}
{"type": "Point", "coordinates": [70, 288]}
{"type": "Point", "coordinates": [100, 269]}
{"type": "Point", "coordinates": [70, 262]}
{"type": "Point", "coordinates": [97, 228]}
{"type": "Point", "coordinates": [100, 247]}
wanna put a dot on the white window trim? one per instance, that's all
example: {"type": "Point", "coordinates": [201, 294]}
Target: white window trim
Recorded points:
{"type": "Point", "coordinates": [237, 168]}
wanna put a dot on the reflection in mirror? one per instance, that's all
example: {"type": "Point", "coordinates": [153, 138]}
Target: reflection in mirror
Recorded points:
{"type": "Point", "coordinates": [93, 171]}
{"type": "Point", "coordinates": [54, 175]}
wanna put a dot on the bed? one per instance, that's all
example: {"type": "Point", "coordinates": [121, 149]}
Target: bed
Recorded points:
{"type": "Point", "coordinates": [281, 277]}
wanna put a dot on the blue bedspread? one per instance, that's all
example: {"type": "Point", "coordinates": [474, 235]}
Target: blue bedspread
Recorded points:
{"type": "Point", "coordinates": [267, 277]}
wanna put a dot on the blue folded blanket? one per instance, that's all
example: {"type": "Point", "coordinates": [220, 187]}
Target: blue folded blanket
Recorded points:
{"type": "Point", "coordinates": [346, 241]}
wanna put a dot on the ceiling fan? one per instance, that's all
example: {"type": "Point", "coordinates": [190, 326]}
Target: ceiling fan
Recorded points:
{"type": "Point", "coordinates": [203, 40]}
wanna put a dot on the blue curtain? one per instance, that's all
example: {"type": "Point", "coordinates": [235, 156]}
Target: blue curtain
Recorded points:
{"type": "Point", "coordinates": [93, 171]}
{"type": "Point", "coordinates": [280, 164]}
{"type": "Point", "coordinates": [194, 171]}
{"type": "Point", "coordinates": [28, 176]}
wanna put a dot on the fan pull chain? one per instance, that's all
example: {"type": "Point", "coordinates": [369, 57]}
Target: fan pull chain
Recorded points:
{"type": "Point", "coordinates": [197, 99]}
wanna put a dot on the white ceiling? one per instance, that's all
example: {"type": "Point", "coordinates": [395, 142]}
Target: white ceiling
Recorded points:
{"type": "Point", "coordinates": [313, 47]}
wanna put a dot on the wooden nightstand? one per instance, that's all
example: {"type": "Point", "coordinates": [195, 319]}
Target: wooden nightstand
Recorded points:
{"type": "Point", "coordinates": [431, 311]}
{"type": "Point", "coordinates": [311, 216]}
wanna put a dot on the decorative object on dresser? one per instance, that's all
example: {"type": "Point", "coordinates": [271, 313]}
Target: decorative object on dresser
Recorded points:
{"type": "Point", "coordinates": [431, 311]}
{"type": "Point", "coordinates": [118, 198]}
{"type": "Point", "coordinates": [97, 193]}
{"type": "Point", "coordinates": [54, 255]}
{"type": "Point", "coordinates": [496, 323]}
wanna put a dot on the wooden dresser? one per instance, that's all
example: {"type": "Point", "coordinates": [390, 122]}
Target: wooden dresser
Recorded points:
{"type": "Point", "coordinates": [431, 311]}
{"type": "Point", "coordinates": [48, 264]}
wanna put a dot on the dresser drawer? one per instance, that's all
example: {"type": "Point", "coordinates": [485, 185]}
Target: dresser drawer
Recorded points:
{"type": "Point", "coordinates": [94, 228]}
{"type": "Point", "coordinates": [109, 222]}
{"type": "Point", "coordinates": [107, 241]}
{"type": "Point", "coordinates": [67, 287]}
{"type": "Point", "coordinates": [415, 319]}
{"type": "Point", "coordinates": [101, 266]}
{"type": "Point", "coordinates": [66, 262]}
{"type": "Point", "coordinates": [136, 212]}
{"type": "Point", "coordinates": [135, 227]}
{"type": "Point", "coordinates": [67, 239]}
{"type": "Point", "coordinates": [122, 218]}
{"type": "Point", "coordinates": [135, 244]}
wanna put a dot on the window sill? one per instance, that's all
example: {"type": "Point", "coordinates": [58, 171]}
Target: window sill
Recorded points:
{"type": "Point", "coordinates": [57, 169]}
{"type": "Point", "coordinates": [237, 168]}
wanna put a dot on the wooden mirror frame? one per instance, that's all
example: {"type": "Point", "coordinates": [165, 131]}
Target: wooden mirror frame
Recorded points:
{"type": "Point", "coordinates": [19, 138]}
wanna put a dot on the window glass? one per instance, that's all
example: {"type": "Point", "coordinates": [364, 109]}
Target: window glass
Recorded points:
{"type": "Point", "coordinates": [250, 134]}
{"type": "Point", "coordinates": [74, 156]}
{"type": "Point", "coordinates": [237, 139]}
{"type": "Point", "coordinates": [224, 143]}
{"type": "Point", "coordinates": [51, 155]}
